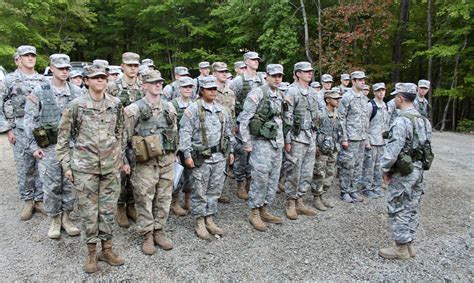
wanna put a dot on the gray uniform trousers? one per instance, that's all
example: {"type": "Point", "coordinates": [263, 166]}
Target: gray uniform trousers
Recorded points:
{"type": "Point", "coordinates": [208, 181]}
{"type": "Point", "coordinates": [351, 161]}
{"type": "Point", "coordinates": [300, 173]}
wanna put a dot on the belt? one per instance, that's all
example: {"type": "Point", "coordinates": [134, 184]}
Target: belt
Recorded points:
{"type": "Point", "coordinates": [215, 149]}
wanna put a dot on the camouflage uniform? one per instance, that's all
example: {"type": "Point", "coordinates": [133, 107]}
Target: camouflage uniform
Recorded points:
{"type": "Point", "coordinates": [392, 110]}
{"type": "Point", "coordinates": [422, 105]}
{"type": "Point", "coordinates": [171, 91]}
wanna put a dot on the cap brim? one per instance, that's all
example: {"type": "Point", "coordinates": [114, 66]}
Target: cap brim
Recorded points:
{"type": "Point", "coordinates": [210, 86]}
{"type": "Point", "coordinates": [63, 66]}
{"type": "Point", "coordinates": [96, 74]}
{"type": "Point", "coordinates": [394, 92]}
{"type": "Point", "coordinates": [131, 62]}
{"type": "Point", "coordinates": [28, 52]}
{"type": "Point", "coordinates": [276, 73]}
{"type": "Point", "coordinates": [221, 70]}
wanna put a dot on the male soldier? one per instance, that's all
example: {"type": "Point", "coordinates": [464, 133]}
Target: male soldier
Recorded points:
{"type": "Point", "coordinates": [328, 143]}
{"type": "Point", "coordinates": [375, 144]}
{"type": "Point", "coordinates": [152, 122]}
{"type": "Point", "coordinates": [18, 86]}
{"type": "Point", "coordinates": [239, 68]}
{"type": "Point", "coordinates": [113, 74]}
{"type": "Point", "coordinates": [242, 85]}
{"type": "Point", "coordinates": [354, 120]}
{"type": "Point", "coordinates": [204, 71]}
{"type": "Point", "coordinates": [345, 80]}
{"type": "Point", "coordinates": [171, 91]}
{"type": "Point", "coordinates": [205, 136]}
{"type": "Point", "coordinates": [300, 142]}
{"type": "Point", "coordinates": [326, 81]}
{"type": "Point", "coordinates": [261, 128]}
{"type": "Point", "coordinates": [93, 125]}
{"type": "Point", "coordinates": [410, 132]}
{"type": "Point", "coordinates": [127, 89]}
{"type": "Point", "coordinates": [316, 86]}
{"type": "Point", "coordinates": [42, 114]}
{"type": "Point", "coordinates": [421, 104]}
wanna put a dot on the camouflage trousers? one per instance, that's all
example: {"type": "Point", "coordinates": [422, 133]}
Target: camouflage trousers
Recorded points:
{"type": "Point", "coordinates": [126, 188]}
{"type": "Point", "coordinates": [323, 173]}
{"type": "Point", "coordinates": [58, 190]}
{"type": "Point", "coordinates": [208, 181]}
{"type": "Point", "coordinates": [242, 169]}
{"type": "Point", "coordinates": [28, 181]}
{"type": "Point", "coordinates": [265, 161]}
{"type": "Point", "coordinates": [403, 203]}
{"type": "Point", "coordinates": [372, 171]}
{"type": "Point", "coordinates": [351, 161]}
{"type": "Point", "coordinates": [97, 202]}
{"type": "Point", "coordinates": [300, 169]}
{"type": "Point", "coordinates": [153, 185]}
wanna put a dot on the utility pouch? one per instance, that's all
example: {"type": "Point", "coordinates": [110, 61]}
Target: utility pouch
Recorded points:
{"type": "Point", "coordinates": [269, 130]}
{"type": "Point", "coordinates": [52, 132]}
{"type": "Point", "coordinates": [325, 144]}
{"type": "Point", "coordinates": [404, 164]}
{"type": "Point", "coordinates": [139, 147]}
{"type": "Point", "coordinates": [125, 98]}
{"type": "Point", "coordinates": [255, 125]}
{"type": "Point", "coordinates": [153, 146]}
{"type": "Point", "coordinates": [428, 155]}
{"type": "Point", "coordinates": [170, 140]}
{"type": "Point", "coordinates": [41, 137]}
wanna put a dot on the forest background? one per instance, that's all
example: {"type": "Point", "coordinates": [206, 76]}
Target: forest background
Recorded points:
{"type": "Point", "coordinates": [391, 40]}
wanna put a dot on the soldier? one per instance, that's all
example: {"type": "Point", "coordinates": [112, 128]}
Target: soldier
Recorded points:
{"type": "Point", "coordinates": [149, 64]}
{"type": "Point", "coordinates": [102, 63]}
{"type": "Point", "coordinates": [75, 77]}
{"type": "Point", "coordinates": [128, 90]}
{"type": "Point", "coordinates": [328, 143]}
{"type": "Point", "coordinates": [300, 142]}
{"type": "Point", "coordinates": [421, 104]}
{"type": "Point", "coordinates": [171, 91]}
{"type": "Point", "coordinates": [345, 81]}
{"type": "Point", "coordinates": [366, 90]}
{"type": "Point", "coordinates": [43, 110]}
{"type": "Point", "coordinates": [204, 71]}
{"type": "Point", "coordinates": [354, 120]}
{"type": "Point", "coordinates": [261, 128]}
{"type": "Point", "coordinates": [205, 138]}
{"type": "Point", "coordinates": [316, 86]}
{"type": "Point", "coordinates": [239, 68]}
{"type": "Point", "coordinates": [113, 74]}
{"type": "Point", "coordinates": [326, 81]}
{"type": "Point", "coordinates": [93, 125]}
{"type": "Point", "coordinates": [375, 144]}
{"type": "Point", "coordinates": [18, 86]}
{"type": "Point", "coordinates": [283, 87]}
{"type": "Point", "coordinates": [403, 171]}
{"type": "Point", "coordinates": [151, 122]}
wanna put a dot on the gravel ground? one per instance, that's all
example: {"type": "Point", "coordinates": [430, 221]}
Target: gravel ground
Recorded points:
{"type": "Point", "coordinates": [338, 245]}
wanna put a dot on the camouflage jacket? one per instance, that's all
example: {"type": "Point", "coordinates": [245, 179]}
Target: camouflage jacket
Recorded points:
{"type": "Point", "coordinates": [126, 93]}
{"type": "Point", "coordinates": [379, 123]}
{"type": "Point", "coordinates": [422, 106]}
{"type": "Point", "coordinates": [226, 98]}
{"type": "Point", "coordinates": [330, 129]}
{"type": "Point", "coordinates": [354, 116]}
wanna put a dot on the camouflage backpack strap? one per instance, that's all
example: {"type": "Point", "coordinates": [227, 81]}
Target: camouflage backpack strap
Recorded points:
{"type": "Point", "coordinates": [202, 122]}
{"type": "Point", "coordinates": [76, 124]}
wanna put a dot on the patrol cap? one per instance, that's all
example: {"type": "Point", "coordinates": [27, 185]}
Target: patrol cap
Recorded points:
{"type": "Point", "coordinates": [148, 62]}
{"type": "Point", "coordinates": [16, 55]}
{"type": "Point", "coordinates": [358, 75]}
{"type": "Point", "coordinates": [229, 76]}
{"type": "Point", "coordinates": [326, 78]}
{"type": "Point", "coordinates": [345, 77]}
{"type": "Point", "coordinates": [91, 71]}
{"type": "Point", "coordinates": [303, 66]}
{"type": "Point", "coordinates": [208, 82]}
{"type": "Point", "coordinates": [185, 81]}
{"type": "Point", "coordinates": [219, 67]}
{"type": "Point", "coordinates": [424, 83]}
{"type": "Point", "coordinates": [251, 55]}
{"type": "Point", "coordinates": [404, 88]}
{"type": "Point", "coordinates": [315, 85]}
{"type": "Point", "coordinates": [337, 89]}
{"type": "Point", "coordinates": [114, 70]}
{"type": "Point", "coordinates": [101, 62]}
{"type": "Point", "coordinates": [239, 65]}
{"type": "Point", "coordinates": [204, 64]}
{"type": "Point", "coordinates": [182, 71]}
{"type": "Point", "coordinates": [378, 86]}
{"type": "Point", "coordinates": [274, 69]}
{"type": "Point", "coordinates": [142, 69]}
{"type": "Point", "coordinates": [151, 76]}
{"type": "Point", "coordinates": [284, 86]}
{"type": "Point", "coordinates": [130, 58]}
{"type": "Point", "coordinates": [365, 87]}
{"type": "Point", "coordinates": [75, 73]}
{"type": "Point", "coordinates": [60, 61]}
{"type": "Point", "coordinates": [25, 49]}
{"type": "Point", "coordinates": [332, 93]}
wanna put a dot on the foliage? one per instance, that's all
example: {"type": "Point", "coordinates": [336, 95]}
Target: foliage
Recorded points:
{"type": "Point", "coordinates": [465, 126]}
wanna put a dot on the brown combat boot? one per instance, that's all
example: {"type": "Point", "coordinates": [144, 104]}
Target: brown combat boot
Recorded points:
{"type": "Point", "coordinates": [411, 249]}
{"type": "Point", "coordinates": [241, 191]}
{"type": "Point", "coordinates": [54, 231]}
{"type": "Point", "coordinates": [109, 256]}
{"type": "Point", "coordinates": [176, 207]}
{"type": "Point", "coordinates": [281, 185]}
{"type": "Point", "coordinates": [122, 219]}
{"type": "Point", "coordinates": [71, 230]}
{"type": "Point", "coordinates": [291, 210]}
{"type": "Point", "coordinates": [148, 247]}
{"type": "Point", "coordinates": [266, 216]}
{"type": "Point", "coordinates": [187, 201]}
{"type": "Point", "coordinates": [256, 221]}
{"type": "Point", "coordinates": [91, 261]}
{"type": "Point", "coordinates": [201, 229]}
{"type": "Point", "coordinates": [326, 202]}
{"type": "Point", "coordinates": [39, 207]}
{"type": "Point", "coordinates": [212, 227]}
{"type": "Point", "coordinates": [27, 211]}
{"type": "Point", "coordinates": [161, 240]}
{"type": "Point", "coordinates": [318, 203]}
{"type": "Point", "coordinates": [132, 212]}
{"type": "Point", "coordinates": [399, 251]}
{"type": "Point", "coordinates": [303, 210]}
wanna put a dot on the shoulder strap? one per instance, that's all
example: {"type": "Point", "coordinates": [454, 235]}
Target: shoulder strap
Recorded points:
{"type": "Point", "coordinates": [374, 109]}
{"type": "Point", "coordinates": [202, 121]}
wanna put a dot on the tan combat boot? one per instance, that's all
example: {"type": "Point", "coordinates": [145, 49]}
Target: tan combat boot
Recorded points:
{"type": "Point", "coordinates": [411, 249]}
{"type": "Point", "coordinates": [148, 247]}
{"type": "Point", "coordinates": [132, 212]}
{"type": "Point", "coordinates": [291, 210]}
{"type": "Point", "coordinates": [54, 231]}
{"type": "Point", "coordinates": [318, 203]}
{"type": "Point", "coordinates": [39, 207]}
{"type": "Point", "coordinates": [27, 211]}
{"type": "Point", "coordinates": [399, 251]}
{"type": "Point", "coordinates": [91, 261]}
{"type": "Point", "coordinates": [326, 202]}
{"type": "Point", "coordinates": [187, 201]}
{"type": "Point", "coordinates": [71, 230]}
{"type": "Point", "coordinates": [109, 256]}
{"type": "Point", "coordinates": [303, 210]}
{"type": "Point", "coordinates": [212, 227]}
{"type": "Point", "coordinates": [256, 221]}
{"type": "Point", "coordinates": [241, 191]}
{"type": "Point", "coordinates": [266, 216]}
{"type": "Point", "coordinates": [281, 185]}
{"type": "Point", "coordinates": [122, 219]}
{"type": "Point", "coordinates": [201, 229]}
{"type": "Point", "coordinates": [176, 207]}
{"type": "Point", "coordinates": [161, 240]}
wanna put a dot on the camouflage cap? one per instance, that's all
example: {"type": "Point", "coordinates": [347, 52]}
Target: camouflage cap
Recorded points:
{"type": "Point", "coordinates": [315, 85]}
{"type": "Point", "coordinates": [101, 62]}
{"type": "Point", "coordinates": [208, 82]}
{"type": "Point", "coordinates": [345, 77]}
{"type": "Point", "coordinates": [274, 69]}
{"type": "Point", "coordinates": [148, 62]}
{"type": "Point", "coordinates": [406, 88]}
{"type": "Point", "coordinates": [26, 49]}
{"type": "Point", "coordinates": [378, 86]}
{"type": "Point", "coordinates": [424, 83]}
{"type": "Point", "coordinates": [303, 66]}
{"type": "Point", "coordinates": [284, 86]}
{"type": "Point", "coordinates": [365, 87]}
{"type": "Point", "coordinates": [219, 67]}
{"type": "Point", "coordinates": [204, 64]}
{"type": "Point", "coordinates": [75, 73]}
{"type": "Point", "coordinates": [185, 81]}
{"type": "Point", "coordinates": [338, 89]}
{"type": "Point", "coordinates": [130, 58]}
{"type": "Point", "coordinates": [358, 75]}
{"type": "Point", "coordinates": [332, 93]}
{"type": "Point", "coordinates": [326, 78]}
{"type": "Point", "coordinates": [151, 76]}
{"type": "Point", "coordinates": [114, 70]}
{"type": "Point", "coordinates": [182, 71]}
{"type": "Point", "coordinates": [239, 65]}
{"type": "Point", "coordinates": [91, 71]}
{"type": "Point", "coordinates": [16, 55]}
{"type": "Point", "coordinates": [251, 55]}
{"type": "Point", "coordinates": [229, 76]}
{"type": "Point", "coordinates": [60, 61]}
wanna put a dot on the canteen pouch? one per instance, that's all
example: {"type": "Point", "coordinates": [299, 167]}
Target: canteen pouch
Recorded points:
{"type": "Point", "coordinates": [170, 140]}
{"type": "Point", "coordinates": [325, 144]}
{"type": "Point", "coordinates": [428, 155]}
{"type": "Point", "coordinates": [139, 148]}
{"type": "Point", "coordinates": [153, 146]}
{"type": "Point", "coordinates": [41, 137]}
{"type": "Point", "coordinates": [200, 154]}
{"type": "Point", "coordinates": [404, 164]}
{"type": "Point", "coordinates": [52, 132]}
{"type": "Point", "coordinates": [269, 130]}
{"type": "Point", "coordinates": [255, 125]}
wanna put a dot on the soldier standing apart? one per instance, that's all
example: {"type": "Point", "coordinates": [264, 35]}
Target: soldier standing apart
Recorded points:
{"type": "Point", "coordinates": [128, 90]}
{"type": "Point", "coordinates": [171, 91]}
{"type": "Point", "coordinates": [18, 86]}
{"type": "Point", "coordinates": [409, 132]}
{"type": "Point", "coordinates": [205, 138]}
{"type": "Point", "coordinates": [261, 129]}
{"type": "Point", "coordinates": [328, 143]}
{"type": "Point", "coordinates": [354, 120]}
{"type": "Point", "coordinates": [375, 144]}
{"type": "Point", "coordinates": [300, 142]}
{"type": "Point", "coordinates": [43, 110]}
{"type": "Point", "coordinates": [150, 126]}
{"type": "Point", "coordinates": [93, 124]}
{"type": "Point", "coordinates": [421, 104]}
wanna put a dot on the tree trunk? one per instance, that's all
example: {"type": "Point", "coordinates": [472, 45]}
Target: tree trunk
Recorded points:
{"type": "Point", "coordinates": [306, 32]}
{"type": "Point", "coordinates": [401, 29]}
{"type": "Point", "coordinates": [320, 39]}
{"type": "Point", "coordinates": [430, 59]}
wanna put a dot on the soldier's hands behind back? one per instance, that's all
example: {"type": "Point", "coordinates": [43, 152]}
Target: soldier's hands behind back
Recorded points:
{"type": "Point", "coordinates": [38, 154]}
{"type": "Point", "coordinates": [68, 175]}
{"type": "Point", "coordinates": [11, 137]}
{"type": "Point", "coordinates": [126, 169]}
{"type": "Point", "coordinates": [231, 159]}
{"type": "Point", "coordinates": [189, 162]}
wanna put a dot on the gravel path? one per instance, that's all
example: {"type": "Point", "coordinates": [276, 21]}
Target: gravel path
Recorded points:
{"type": "Point", "coordinates": [338, 245]}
